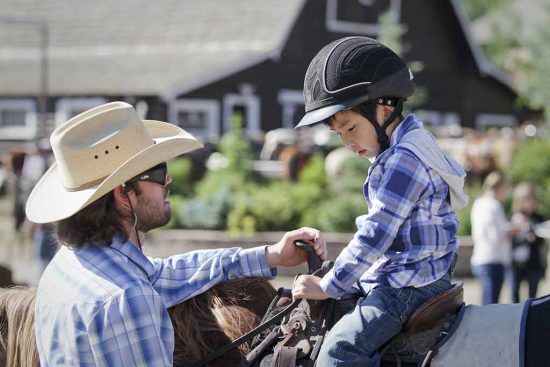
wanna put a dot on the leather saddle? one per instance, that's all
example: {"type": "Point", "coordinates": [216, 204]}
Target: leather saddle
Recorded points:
{"type": "Point", "coordinates": [427, 329]}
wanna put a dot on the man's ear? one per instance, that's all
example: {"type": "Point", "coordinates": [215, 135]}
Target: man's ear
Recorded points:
{"type": "Point", "coordinates": [122, 199]}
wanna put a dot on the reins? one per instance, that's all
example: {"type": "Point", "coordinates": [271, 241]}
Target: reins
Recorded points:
{"type": "Point", "coordinates": [314, 264]}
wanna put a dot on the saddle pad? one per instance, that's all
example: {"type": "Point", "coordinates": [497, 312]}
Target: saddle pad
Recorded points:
{"type": "Point", "coordinates": [487, 336]}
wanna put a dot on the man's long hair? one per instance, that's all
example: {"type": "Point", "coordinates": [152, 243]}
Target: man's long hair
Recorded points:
{"type": "Point", "coordinates": [97, 223]}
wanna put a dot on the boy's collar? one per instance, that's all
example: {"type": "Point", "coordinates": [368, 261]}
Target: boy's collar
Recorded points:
{"type": "Point", "coordinates": [411, 122]}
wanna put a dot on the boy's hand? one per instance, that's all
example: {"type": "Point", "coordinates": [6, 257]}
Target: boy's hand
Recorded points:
{"type": "Point", "coordinates": [307, 286]}
{"type": "Point", "coordinates": [285, 253]}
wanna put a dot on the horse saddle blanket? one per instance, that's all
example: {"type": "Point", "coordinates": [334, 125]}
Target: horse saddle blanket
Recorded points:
{"type": "Point", "coordinates": [489, 336]}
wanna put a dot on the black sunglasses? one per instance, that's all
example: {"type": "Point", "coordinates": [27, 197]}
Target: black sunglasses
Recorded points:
{"type": "Point", "coordinates": [158, 174]}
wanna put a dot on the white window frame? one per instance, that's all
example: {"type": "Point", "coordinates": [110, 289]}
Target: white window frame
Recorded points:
{"type": "Point", "coordinates": [63, 106]}
{"type": "Point", "coordinates": [252, 104]}
{"type": "Point", "coordinates": [19, 132]}
{"type": "Point", "coordinates": [333, 24]}
{"type": "Point", "coordinates": [290, 99]}
{"type": "Point", "coordinates": [210, 106]}
{"type": "Point", "coordinates": [441, 118]}
{"type": "Point", "coordinates": [483, 120]}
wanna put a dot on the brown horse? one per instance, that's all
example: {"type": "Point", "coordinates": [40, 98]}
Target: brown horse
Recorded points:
{"type": "Point", "coordinates": [201, 324]}
{"type": "Point", "coordinates": [220, 316]}
{"type": "Point", "coordinates": [17, 343]}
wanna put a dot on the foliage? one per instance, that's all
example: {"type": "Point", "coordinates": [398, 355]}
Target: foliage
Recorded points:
{"type": "Point", "coordinates": [532, 164]}
{"type": "Point", "coordinates": [207, 213]}
{"type": "Point", "coordinates": [314, 171]}
{"type": "Point", "coordinates": [477, 8]}
{"type": "Point", "coordinates": [268, 208]}
{"type": "Point", "coordinates": [391, 32]}
{"type": "Point", "coordinates": [536, 71]}
{"type": "Point", "coordinates": [337, 213]}
{"type": "Point", "coordinates": [473, 190]}
{"type": "Point", "coordinates": [180, 169]}
{"type": "Point", "coordinates": [352, 175]}
{"type": "Point", "coordinates": [236, 148]}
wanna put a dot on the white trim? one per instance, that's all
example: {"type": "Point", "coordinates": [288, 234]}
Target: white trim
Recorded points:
{"type": "Point", "coordinates": [210, 106]}
{"type": "Point", "coordinates": [290, 99]}
{"type": "Point", "coordinates": [484, 120]}
{"type": "Point", "coordinates": [438, 118]}
{"type": "Point", "coordinates": [252, 104]}
{"type": "Point", "coordinates": [332, 23]}
{"type": "Point", "coordinates": [484, 66]}
{"type": "Point", "coordinates": [20, 132]}
{"type": "Point", "coordinates": [64, 107]}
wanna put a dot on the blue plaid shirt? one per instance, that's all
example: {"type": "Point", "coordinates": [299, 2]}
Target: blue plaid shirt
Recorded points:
{"type": "Point", "coordinates": [107, 306]}
{"type": "Point", "coordinates": [408, 237]}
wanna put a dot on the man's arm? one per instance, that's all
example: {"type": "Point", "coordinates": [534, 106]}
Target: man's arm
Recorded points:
{"type": "Point", "coordinates": [184, 276]}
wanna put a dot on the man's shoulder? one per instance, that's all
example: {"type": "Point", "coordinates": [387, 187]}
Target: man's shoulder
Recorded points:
{"type": "Point", "coordinates": [88, 273]}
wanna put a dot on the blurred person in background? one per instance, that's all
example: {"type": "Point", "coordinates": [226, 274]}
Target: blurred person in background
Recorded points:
{"type": "Point", "coordinates": [529, 251]}
{"type": "Point", "coordinates": [491, 236]}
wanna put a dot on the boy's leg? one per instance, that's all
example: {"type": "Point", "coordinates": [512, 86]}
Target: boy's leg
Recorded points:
{"type": "Point", "coordinates": [378, 317]}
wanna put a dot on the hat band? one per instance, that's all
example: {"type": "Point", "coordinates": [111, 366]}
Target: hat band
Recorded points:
{"type": "Point", "coordinates": [87, 185]}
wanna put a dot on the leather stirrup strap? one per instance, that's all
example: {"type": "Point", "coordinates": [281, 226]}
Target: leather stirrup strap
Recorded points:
{"type": "Point", "coordinates": [285, 357]}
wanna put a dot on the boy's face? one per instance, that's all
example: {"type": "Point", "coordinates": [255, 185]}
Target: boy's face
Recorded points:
{"type": "Point", "coordinates": [356, 132]}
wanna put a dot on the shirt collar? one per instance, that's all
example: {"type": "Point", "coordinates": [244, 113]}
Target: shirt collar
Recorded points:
{"type": "Point", "coordinates": [130, 250]}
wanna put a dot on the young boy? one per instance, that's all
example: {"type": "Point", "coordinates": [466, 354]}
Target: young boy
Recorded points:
{"type": "Point", "coordinates": [405, 247]}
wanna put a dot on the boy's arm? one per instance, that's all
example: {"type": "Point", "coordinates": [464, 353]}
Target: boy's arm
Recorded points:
{"type": "Point", "coordinates": [404, 181]}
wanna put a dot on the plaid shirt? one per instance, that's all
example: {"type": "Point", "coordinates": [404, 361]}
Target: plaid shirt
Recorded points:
{"type": "Point", "coordinates": [107, 306]}
{"type": "Point", "coordinates": [408, 237]}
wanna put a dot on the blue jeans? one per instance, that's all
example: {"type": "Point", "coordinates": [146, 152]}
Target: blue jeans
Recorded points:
{"type": "Point", "coordinates": [377, 317]}
{"type": "Point", "coordinates": [491, 277]}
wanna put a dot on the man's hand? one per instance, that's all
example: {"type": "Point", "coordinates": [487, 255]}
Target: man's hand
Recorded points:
{"type": "Point", "coordinates": [285, 253]}
{"type": "Point", "coordinates": [307, 286]}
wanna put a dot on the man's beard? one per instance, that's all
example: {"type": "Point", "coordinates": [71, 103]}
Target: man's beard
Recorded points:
{"type": "Point", "coordinates": [151, 214]}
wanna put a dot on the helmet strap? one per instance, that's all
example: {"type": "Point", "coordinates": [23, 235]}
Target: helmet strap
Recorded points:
{"type": "Point", "coordinates": [368, 110]}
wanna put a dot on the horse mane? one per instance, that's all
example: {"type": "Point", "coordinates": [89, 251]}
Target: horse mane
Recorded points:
{"type": "Point", "coordinates": [201, 324]}
{"type": "Point", "coordinates": [17, 341]}
{"type": "Point", "coordinates": [217, 317]}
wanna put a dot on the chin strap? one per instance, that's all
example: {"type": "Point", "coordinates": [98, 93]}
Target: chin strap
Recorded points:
{"type": "Point", "coordinates": [368, 110]}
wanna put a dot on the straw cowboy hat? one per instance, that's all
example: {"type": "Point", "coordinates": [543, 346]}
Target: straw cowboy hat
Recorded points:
{"type": "Point", "coordinates": [97, 151]}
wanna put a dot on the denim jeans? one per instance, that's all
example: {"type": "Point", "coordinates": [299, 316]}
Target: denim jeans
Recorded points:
{"type": "Point", "coordinates": [491, 277]}
{"type": "Point", "coordinates": [377, 317]}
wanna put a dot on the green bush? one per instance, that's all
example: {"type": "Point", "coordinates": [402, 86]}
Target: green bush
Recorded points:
{"type": "Point", "coordinates": [268, 208]}
{"type": "Point", "coordinates": [532, 164]}
{"type": "Point", "coordinates": [180, 169]}
{"type": "Point", "coordinates": [338, 213]}
{"type": "Point", "coordinates": [465, 225]}
{"type": "Point", "coordinates": [207, 213]}
{"type": "Point", "coordinates": [314, 171]}
{"type": "Point", "coordinates": [353, 176]}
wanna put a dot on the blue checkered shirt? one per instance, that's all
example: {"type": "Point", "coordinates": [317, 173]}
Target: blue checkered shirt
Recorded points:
{"type": "Point", "coordinates": [408, 237]}
{"type": "Point", "coordinates": [107, 306]}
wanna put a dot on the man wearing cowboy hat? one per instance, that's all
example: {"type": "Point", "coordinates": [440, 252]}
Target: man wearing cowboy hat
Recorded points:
{"type": "Point", "coordinates": [101, 301]}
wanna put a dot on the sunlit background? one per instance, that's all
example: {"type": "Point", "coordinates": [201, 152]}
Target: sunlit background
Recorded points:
{"type": "Point", "coordinates": [231, 73]}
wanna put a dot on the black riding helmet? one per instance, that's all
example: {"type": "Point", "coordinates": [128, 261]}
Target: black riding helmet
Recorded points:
{"type": "Point", "coordinates": [356, 72]}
